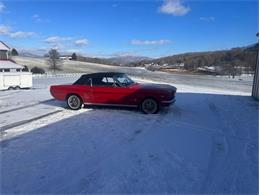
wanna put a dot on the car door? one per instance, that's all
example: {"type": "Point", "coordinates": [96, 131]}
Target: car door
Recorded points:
{"type": "Point", "coordinates": [102, 91]}
{"type": "Point", "coordinates": [106, 91]}
{"type": "Point", "coordinates": [125, 94]}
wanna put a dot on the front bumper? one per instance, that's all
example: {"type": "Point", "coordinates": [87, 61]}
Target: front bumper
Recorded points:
{"type": "Point", "coordinates": [168, 102]}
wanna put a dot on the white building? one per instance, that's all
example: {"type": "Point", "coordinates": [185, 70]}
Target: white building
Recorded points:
{"type": "Point", "coordinates": [9, 66]}
{"type": "Point", "coordinates": [6, 63]}
{"type": "Point", "coordinates": [11, 73]}
{"type": "Point", "coordinates": [65, 58]}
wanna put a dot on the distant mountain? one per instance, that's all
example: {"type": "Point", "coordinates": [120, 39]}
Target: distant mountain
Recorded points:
{"type": "Point", "coordinates": [116, 61]}
{"type": "Point", "coordinates": [37, 53]}
{"type": "Point", "coordinates": [123, 60]}
{"type": "Point", "coordinates": [236, 57]}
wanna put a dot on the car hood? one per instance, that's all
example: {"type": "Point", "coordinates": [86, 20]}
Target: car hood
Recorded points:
{"type": "Point", "coordinates": [157, 87]}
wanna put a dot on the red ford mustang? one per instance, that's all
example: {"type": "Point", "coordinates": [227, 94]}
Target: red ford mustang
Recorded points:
{"type": "Point", "coordinates": [114, 89]}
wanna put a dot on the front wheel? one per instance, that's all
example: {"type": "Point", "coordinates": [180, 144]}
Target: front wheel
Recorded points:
{"type": "Point", "coordinates": [74, 102]}
{"type": "Point", "coordinates": [149, 106]}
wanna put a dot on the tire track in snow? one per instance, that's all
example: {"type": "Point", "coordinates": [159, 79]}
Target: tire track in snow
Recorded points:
{"type": "Point", "coordinates": [26, 106]}
{"type": "Point", "coordinates": [16, 124]}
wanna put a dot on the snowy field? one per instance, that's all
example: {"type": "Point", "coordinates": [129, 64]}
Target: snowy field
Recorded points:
{"type": "Point", "coordinates": [207, 142]}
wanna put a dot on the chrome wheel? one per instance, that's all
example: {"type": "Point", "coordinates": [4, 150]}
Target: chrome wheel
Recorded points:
{"type": "Point", "coordinates": [149, 106]}
{"type": "Point", "coordinates": [74, 102]}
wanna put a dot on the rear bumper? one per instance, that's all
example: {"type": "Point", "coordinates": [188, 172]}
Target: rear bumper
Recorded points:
{"type": "Point", "coordinates": [168, 102]}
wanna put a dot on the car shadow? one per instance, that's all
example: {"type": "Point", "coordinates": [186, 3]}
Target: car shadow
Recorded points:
{"type": "Point", "coordinates": [63, 104]}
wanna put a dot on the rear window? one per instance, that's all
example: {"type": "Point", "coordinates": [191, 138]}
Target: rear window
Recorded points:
{"type": "Point", "coordinates": [83, 81]}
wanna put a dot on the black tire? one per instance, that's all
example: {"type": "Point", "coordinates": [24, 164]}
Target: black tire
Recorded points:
{"type": "Point", "coordinates": [149, 106]}
{"type": "Point", "coordinates": [74, 102]}
{"type": "Point", "coordinates": [17, 88]}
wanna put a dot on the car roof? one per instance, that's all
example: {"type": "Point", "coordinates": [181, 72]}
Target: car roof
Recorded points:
{"type": "Point", "coordinates": [102, 74]}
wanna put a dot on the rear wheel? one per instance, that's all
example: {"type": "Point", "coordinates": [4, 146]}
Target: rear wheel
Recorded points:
{"type": "Point", "coordinates": [149, 106]}
{"type": "Point", "coordinates": [74, 102]}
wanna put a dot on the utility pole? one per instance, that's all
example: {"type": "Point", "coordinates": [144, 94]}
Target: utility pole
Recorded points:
{"type": "Point", "coordinates": [255, 89]}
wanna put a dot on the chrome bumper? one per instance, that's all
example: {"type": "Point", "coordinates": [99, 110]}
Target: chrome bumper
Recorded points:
{"type": "Point", "coordinates": [169, 101]}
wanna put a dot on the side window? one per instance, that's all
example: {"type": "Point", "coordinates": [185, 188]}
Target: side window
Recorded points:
{"type": "Point", "coordinates": [87, 81]}
{"type": "Point", "coordinates": [122, 79]}
{"type": "Point", "coordinates": [98, 81]}
{"type": "Point", "coordinates": [103, 81]}
{"type": "Point", "coordinates": [109, 81]}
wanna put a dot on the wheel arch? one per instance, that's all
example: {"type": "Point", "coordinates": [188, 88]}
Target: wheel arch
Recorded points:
{"type": "Point", "coordinates": [149, 97]}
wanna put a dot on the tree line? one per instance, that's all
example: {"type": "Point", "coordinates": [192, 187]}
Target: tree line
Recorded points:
{"type": "Point", "coordinates": [231, 61]}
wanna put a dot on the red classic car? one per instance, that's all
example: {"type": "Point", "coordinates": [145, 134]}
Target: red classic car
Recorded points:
{"type": "Point", "coordinates": [114, 89]}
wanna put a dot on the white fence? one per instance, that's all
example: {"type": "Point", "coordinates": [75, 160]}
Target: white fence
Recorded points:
{"type": "Point", "coordinates": [60, 75]}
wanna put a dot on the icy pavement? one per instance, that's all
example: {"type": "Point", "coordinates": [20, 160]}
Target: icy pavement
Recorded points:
{"type": "Point", "coordinates": [205, 143]}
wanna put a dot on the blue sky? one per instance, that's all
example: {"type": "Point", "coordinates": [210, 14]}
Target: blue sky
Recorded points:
{"type": "Point", "coordinates": [114, 28]}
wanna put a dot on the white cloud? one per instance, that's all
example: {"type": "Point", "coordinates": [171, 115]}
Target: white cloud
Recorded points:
{"type": "Point", "coordinates": [38, 19]}
{"type": "Point", "coordinates": [81, 42]}
{"type": "Point", "coordinates": [53, 39]}
{"type": "Point", "coordinates": [208, 19]}
{"type": "Point", "coordinates": [65, 44]}
{"type": "Point", "coordinates": [56, 39]}
{"type": "Point", "coordinates": [21, 34]}
{"type": "Point", "coordinates": [4, 30]}
{"type": "Point", "coordinates": [73, 51]}
{"type": "Point", "coordinates": [2, 7]}
{"type": "Point", "coordinates": [114, 5]}
{"type": "Point", "coordinates": [124, 54]}
{"type": "Point", "coordinates": [36, 16]}
{"type": "Point", "coordinates": [57, 47]}
{"type": "Point", "coordinates": [174, 7]}
{"type": "Point", "coordinates": [150, 42]}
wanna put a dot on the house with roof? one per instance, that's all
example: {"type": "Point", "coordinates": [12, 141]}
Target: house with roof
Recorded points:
{"type": "Point", "coordinates": [4, 49]}
{"type": "Point", "coordinates": [6, 63]}
{"type": "Point", "coordinates": [12, 75]}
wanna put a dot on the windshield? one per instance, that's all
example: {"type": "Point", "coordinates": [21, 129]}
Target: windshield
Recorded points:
{"type": "Point", "coordinates": [123, 80]}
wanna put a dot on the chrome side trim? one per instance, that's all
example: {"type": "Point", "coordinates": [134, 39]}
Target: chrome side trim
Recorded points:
{"type": "Point", "coordinates": [118, 105]}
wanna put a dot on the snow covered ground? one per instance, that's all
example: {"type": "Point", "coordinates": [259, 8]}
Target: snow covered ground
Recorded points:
{"type": "Point", "coordinates": [206, 143]}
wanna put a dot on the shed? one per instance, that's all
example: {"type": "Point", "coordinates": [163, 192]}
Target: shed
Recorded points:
{"type": "Point", "coordinates": [9, 66]}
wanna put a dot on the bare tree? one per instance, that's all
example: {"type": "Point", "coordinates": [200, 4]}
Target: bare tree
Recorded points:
{"type": "Point", "coordinates": [74, 56]}
{"type": "Point", "coordinates": [53, 60]}
{"type": "Point", "coordinates": [229, 69]}
{"type": "Point", "coordinates": [14, 52]}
